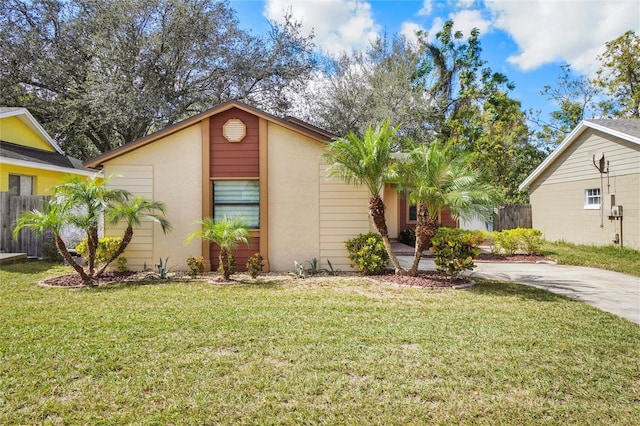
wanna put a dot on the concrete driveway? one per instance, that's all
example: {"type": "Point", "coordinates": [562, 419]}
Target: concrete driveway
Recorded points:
{"type": "Point", "coordinates": [609, 291]}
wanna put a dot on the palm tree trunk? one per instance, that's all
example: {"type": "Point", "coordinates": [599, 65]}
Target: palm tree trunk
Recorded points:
{"type": "Point", "coordinates": [224, 263]}
{"type": "Point", "coordinates": [376, 210]}
{"type": "Point", "coordinates": [426, 228]}
{"type": "Point", "coordinates": [62, 248]}
{"type": "Point", "coordinates": [126, 239]}
{"type": "Point", "coordinates": [92, 245]}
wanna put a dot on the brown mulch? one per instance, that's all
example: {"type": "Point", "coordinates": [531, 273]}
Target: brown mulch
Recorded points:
{"type": "Point", "coordinates": [424, 279]}
{"type": "Point", "coordinates": [523, 258]}
{"type": "Point", "coordinates": [74, 280]}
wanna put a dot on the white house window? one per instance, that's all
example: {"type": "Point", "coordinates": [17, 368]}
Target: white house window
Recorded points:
{"type": "Point", "coordinates": [20, 185]}
{"type": "Point", "coordinates": [237, 198]}
{"type": "Point", "coordinates": [592, 198]}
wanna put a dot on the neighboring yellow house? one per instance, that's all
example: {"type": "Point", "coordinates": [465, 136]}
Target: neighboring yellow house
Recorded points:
{"type": "Point", "coordinates": [31, 163]}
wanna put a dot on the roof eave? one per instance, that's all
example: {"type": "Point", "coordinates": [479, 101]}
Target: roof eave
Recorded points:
{"type": "Point", "coordinates": [145, 140]}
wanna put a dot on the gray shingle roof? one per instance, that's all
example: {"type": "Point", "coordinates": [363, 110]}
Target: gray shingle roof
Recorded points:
{"type": "Point", "coordinates": [630, 126]}
{"type": "Point", "coordinates": [25, 153]}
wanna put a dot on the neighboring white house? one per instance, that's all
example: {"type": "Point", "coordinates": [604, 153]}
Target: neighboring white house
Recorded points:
{"type": "Point", "coordinates": [588, 190]}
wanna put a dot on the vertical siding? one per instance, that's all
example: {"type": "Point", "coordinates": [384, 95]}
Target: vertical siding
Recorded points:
{"type": "Point", "coordinates": [344, 213]}
{"type": "Point", "coordinates": [234, 159]}
{"type": "Point", "coordinates": [139, 181]}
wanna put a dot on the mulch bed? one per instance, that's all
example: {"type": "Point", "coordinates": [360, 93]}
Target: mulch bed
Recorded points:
{"type": "Point", "coordinates": [425, 279]}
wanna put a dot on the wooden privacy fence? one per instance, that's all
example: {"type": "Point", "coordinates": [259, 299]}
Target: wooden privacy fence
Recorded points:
{"type": "Point", "coordinates": [11, 207]}
{"type": "Point", "coordinates": [513, 216]}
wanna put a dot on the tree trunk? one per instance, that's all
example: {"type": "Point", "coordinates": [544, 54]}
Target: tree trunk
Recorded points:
{"type": "Point", "coordinates": [126, 239]}
{"type": "Point", "coordinates": [376, 210]}
{"type": "Point", "coordinates": [426, 228]}
{"type": "Point", "coordinates": [224, 263]}
{"type": "Point", "coordinates": [92, 245]}
{"type": "Point", "coordinates": [62, 248]}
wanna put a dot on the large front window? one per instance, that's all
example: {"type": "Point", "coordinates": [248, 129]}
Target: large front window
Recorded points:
{"type": "Point", "coordinates": [237, 198]}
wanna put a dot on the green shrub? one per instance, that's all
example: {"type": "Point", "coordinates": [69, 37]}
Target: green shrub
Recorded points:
{"type": "Point", "coordinates": [196, 265]}
{"type": "Point", "coordinates": [530, 240]}
{"type": "Point", "coordinates": [508, 241]}
{"type": "Point", "coordinates": [454, 251]}
{"type": "Point", "coordinates": [408, 236]}
{"type": "Point", "coordinates": [367, 253]}
{"type": "Point", "coordinates": [255, 264]}
{"type": "Point", "coordinates": [122, 264]}
{"type": "Point", "coordinates": [107, 247]}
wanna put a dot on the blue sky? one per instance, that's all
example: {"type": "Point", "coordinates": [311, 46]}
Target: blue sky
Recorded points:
{"type": "Point", "coordinates": [528, 40]}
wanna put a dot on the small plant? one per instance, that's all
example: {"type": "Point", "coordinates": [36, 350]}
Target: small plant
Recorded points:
{"type": "Point", "coordinates": [508, 241]}
{"type": "Point", "coordinates": [196, 265]}
{"type": "Point", "coordinates": [300, 271]}
{"type": "Point", "coordinates": [255, 264]}
{"type": "Point", "coordinates": [122, 264]}
{"type": "Point", "coordinates": [454, 251]}
{"type": "Point", "coordinates": [331, 271]}
{"type": "Point", "coordinates": [163, 268]}
{"type": "Point", "coordinates": [367, 253]}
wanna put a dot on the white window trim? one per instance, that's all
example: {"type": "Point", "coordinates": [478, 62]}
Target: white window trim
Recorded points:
{"type": "Point", "coordinates": [587, 205]}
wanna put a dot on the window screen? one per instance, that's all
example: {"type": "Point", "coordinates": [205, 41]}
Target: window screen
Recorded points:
{"type": "Point", "coordinates": [237, 198]}
{"type": "Point", "coordinates": [20, 185]}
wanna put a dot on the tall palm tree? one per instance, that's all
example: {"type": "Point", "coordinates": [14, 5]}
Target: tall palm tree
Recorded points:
{"type": "Point", "coordinates": [434, 180]}
{"type": "Point", "coordinates": [366, 161]}
{"type": "Point", "coordinates": [132, 212]}
{"type": "Point", "coordinates": [227, 234]}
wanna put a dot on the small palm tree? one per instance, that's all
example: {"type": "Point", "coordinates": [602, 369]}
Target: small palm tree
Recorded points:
{"type": "Point", "coordinates": [132, 212]}
{"type": "Point", "coordinates": [367, 161]}
{"type": "Point", "coordinates": [51, 218]}
{"type": "Point", "coordinates": [227, 233]}
{"type": "Point", "coordinates": [434, 181]}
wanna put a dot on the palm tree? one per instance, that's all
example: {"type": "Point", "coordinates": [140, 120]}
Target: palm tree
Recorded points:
{"type": "Point", "coordinates": [367, 161]}
{"type": "Point", "coordinates": [132, 212]}
{"type": "Point", "coordinates": [434, 180]}
{"type": "Point", "coordinates": [87, 201]}
{"type": "Point", "coordinates": [227, 234]}
{"type": "Point", "coordinates": [53, 219]}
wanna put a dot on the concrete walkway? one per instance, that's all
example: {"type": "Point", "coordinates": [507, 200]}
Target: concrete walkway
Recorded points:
{"type": "Point", "coordinates": [609, 291]}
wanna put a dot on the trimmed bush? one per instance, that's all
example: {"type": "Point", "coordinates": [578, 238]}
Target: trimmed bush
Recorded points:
{"type": "Point", "coordinates": [454, 251]}
{"type": "Point", "coordinates": [107, 247]}
{"type": "Point", "coordinates": [510, 241]}
{"type": "Point", "coordinates": [367, 253]}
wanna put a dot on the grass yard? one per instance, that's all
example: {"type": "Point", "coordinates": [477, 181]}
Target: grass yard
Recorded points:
{"type": "Point", "coordinates": [315, 351]}
{"type": "Point", "coordinates": [605, 257]}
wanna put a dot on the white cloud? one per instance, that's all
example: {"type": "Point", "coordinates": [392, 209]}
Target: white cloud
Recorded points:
{"type": "Point", "coordinates": [571, 31]}
{"type": "Point", "coordinates": [427, 8]}
{"type": "Point", "coordinates": [466, 20]}
{"type": "Point", "coordinates": [338, 25]}
{"type": "Point", "coordinates": [408, 30]}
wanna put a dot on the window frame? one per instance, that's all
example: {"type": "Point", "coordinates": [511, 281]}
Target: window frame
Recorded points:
{"type": "Point", "coordinates": [590, 196]}
{"type": "Point", "coordinates": [21, 178]}
{"type": "Point", "coordinates": [238, 202]}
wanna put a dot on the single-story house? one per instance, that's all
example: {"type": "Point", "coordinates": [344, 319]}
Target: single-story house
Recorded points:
{"type": "Point", "coordinates": [588, 190]}
{"type": "Point", "coordinates": [236, 159]}
{"type": "Point", "coordinates": [31, 162]}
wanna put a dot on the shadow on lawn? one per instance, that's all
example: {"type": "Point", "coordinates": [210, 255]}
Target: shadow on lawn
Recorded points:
{"type": "Point", "coordinates": [520, 291]}
{"type": "Point", "coordinates": [122, 285]}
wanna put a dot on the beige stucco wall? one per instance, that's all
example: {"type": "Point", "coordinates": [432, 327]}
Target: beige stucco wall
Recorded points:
{"type": "Point", "coordinates": [167, 170]}
{"type": "Point", "coordinates": [293, 198]}
{"type": "Point", "coordinates": [309, 215]}
{"type": "Point", "coordinates": [558, 195]}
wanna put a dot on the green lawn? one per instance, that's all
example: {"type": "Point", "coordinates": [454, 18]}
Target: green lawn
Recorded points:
{"type": "Point", "coordinates": [604, 257]}
{"type": "Point", "coordinates": [315, 351]}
